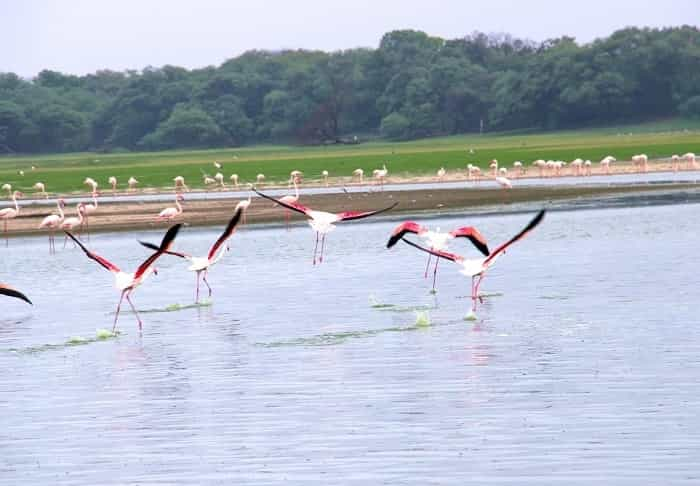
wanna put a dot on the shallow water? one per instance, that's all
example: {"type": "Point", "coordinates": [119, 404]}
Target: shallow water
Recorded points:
{"type": "Point", "coordinates": [582, 365]}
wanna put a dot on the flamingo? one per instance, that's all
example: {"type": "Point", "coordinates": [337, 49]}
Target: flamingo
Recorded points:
{"type": "Point", "coordinates": [234, 180]}
{"type": "Point", "coordinates": [587, 167]}
{"type": "Point", "coordinates": [605, 163]}
{"type": "Point", "coordinates": [89, 181]}
{"type": "Point", "coordinates": [518, 168]}
{"type": "Point", "coordinates": [10, 292]}
{"type": "Point", "coordinates": [217, 165]}
{"type": "Point", "coordinates": [437, 240]}
{"type": "Point", "coordinates": [289, 199]}
{"type": "Point", "coordinates": [112, 181]}
{"type": "Point", "coordinates": [73, 222]}
{"type": "Point", "coordinates": [219, 178]}
{"type": "Point", "coordinates": [690, 159]}
{"type": "Point", "coordinates": [41, 188]}
{"type": "Point", "coordinates": [504, 182]}
{"type": "Point", "coordinates": [380, 175]}
{"type": "Point", "coordinates": [324, 174]}
{"type": "Point", "coordinates": [260, 178]}
{"type": "Point", "coordinates": [132, 183]}
{"type": "Point", "coordinates": [127, 282]}
{"type": "Point", "coordinates": [180, 183]}
{"type": "Point", "coordinates": [208, 181]}
{"type": "Point", "coordinates": [322, 222]}
{"type": "Point", "coordinates": [359, 173]}
{"type": "Point", "coordinates": [477, 268]}
{"type": "Point", "coordinates": [245, 203]}
{"type": "Point", "coordinates": [87, 209]}
{"type": "Point", "coordinates": [296, 174]}
{"type": "Point", "coordinates": [52, 222]}
{"type": "Point", "coordinates": [675, 162]}
{"type": "Point", "coordinates": [201, 265]}
{"type": "Point", "coordinates": [494, 167]}
{"type": "Point", "coordinates": [541, 165]}
{"type": "Point", "coordinates": [441, 173]}
{"type": "Point", "coordinates": [8, 188]}
{"type": "Point", "coordinates": [10, 213]}
{"type": "Point", "coordinates": [172, 212]}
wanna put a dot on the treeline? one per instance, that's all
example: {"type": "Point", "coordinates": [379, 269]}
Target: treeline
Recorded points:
{"type": "Point", "coordinates": [413, 85]}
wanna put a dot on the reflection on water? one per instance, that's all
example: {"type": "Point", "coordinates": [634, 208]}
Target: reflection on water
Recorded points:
{"type": "Point", "coordinates": [582, 363]}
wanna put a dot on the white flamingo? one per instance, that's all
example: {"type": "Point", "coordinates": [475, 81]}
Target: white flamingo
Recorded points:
{"type": "Point", "coordinates": [52, 222]}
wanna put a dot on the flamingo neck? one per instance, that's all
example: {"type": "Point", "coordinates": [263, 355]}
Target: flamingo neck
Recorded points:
{"type": "Point", "coordinates": [60, 211]}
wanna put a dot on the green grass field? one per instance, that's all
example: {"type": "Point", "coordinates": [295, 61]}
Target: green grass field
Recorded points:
{"type": "Point", "coordinates": [64, 173]}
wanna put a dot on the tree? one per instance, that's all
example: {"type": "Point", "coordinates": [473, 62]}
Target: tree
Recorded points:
{"type": "Point", "coordinates": [187, 126]}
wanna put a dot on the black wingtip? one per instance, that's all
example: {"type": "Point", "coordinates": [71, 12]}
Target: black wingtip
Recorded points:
{"type": "Point", "coordinates": [148, 245]}
{"type": "Point", "coordinates": [170, 236]}
{"type": "Point", "coordinates": [393, 240]}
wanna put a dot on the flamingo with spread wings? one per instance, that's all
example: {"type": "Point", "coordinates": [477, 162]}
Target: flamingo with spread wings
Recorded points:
{"type": "Point", "coordinates": [10, 292]}
{"type": "Point", "coordinates": [437, 240]}
{"type": "Point", "coordinates": [323, 222]}
{"type": "Point", "coordinates": [127, 282]}
{"type": "Point", "coordinates": [201, 265]}
{"type": "Point", "coordinates": [477, 268]}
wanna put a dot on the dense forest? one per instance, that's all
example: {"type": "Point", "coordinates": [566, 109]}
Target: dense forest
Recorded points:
{"type": "Point", "coordinates": [413, 85]}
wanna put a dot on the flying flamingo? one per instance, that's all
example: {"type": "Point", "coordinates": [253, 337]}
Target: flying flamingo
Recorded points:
{"type": "Point", "coordinates": [478, 267]}
{"type": "Point", "coordinates": [201, 265]}
{"type": "Point", "coordinates": [87, 209]}
{"type": "Point", "coordinates": [112, 181]}
{"type": "Point", "coordinates": [127, 282]}
{"type": "Point", "coordinates": [10, 213]}
{"type": "Point", "coordinates": [322, 222]}
{"type": "Point", "coordinates": [74, 222]}
{"type": "Point", "coordinates": [437, 240]}
{"type": "Point", "coordinates": [289, 199]}
{"type": "Point", "coordinates": [10, 292]}
{"type": "Point", "coordinates": [52, 222]}
{"type": "Point", "coordinates": [172, 212]}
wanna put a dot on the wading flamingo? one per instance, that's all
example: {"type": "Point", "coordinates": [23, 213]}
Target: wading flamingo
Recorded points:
{"type": "Point", "coordinates": [52, 222]}
{"type": "Point", "coordinates": [172, 212]}
{"type": "Point", "coordinates": [10, 292]}
{"type": "Point", "coordinates": [380, 175]}
{"type": "Point", "coordinates": [359, 173]}
{"type": "Point", "coordinates": [73, 222]}
{"type": "Point", "coordinates": [40, 187]}
{"type": "Point", "coordinates": [180, 183]}
{"type": "Point", "coordinates": [112, 181]}
{"type": "Point", "coordinates": [201, 265]}
{"type": "Point", "coordinates": [10, 213]}
{"type": "Point", "coordinates": [219, 178]}
{"type": "Point", "coordinates": [87, 210]}
{"type": "Point", "coordinates": [234, 180]}
{"type": "Point", "coordinates": [8, 188]}
{"type": "Point", "coordinates": [89, 181]}
{"type": "Point", "coordinates": [477, 268]}
{"type": "Point", "coordinates": [289, 199]}
{"type": "Point", "coordinates": [322, 222]}
{"type": "Point", "coordinates": [437, 240]}
{"type": "Point", "coordinates": [441, 173]}
{"type": "Point", "coordinates": [132, 182]}
{"type": "Point", "coordinates": [127, 282]}
{"type": "Point", "coordinates": [324, 174]}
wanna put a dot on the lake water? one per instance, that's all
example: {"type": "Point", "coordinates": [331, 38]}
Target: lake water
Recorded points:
{"type": "Point", "coordinates": [583, 364]}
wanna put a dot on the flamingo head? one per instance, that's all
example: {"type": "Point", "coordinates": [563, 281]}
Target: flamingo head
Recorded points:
{"type": "Point", "coordinates": [180, 197]}
{"type": "Point", "coordinates": [18, 194]}
{"type": "Point", "coordinates": [155, 271]}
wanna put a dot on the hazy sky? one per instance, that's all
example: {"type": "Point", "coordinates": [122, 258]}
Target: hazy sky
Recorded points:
{"type": "Point", "coordinates": [80, 36]}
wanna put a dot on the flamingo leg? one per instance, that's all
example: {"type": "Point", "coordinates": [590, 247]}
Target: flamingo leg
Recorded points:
{"type": "Point", "coordinates": [4, 230]}
{"type": "Point", "coordinates": [287, 216]}
{"type": "Point", "coordinates": [65, 240]}
{"type": "Point", "coordinates": [87, 227]}
{"type": "Point", "coordinates": [323, 244]}
{"type": "Point", "coordinates": [316, 248]}
{"type": "Point", "coordinates": [476, 290]}
{"type": "Point", "coordinates": [437, 260]}
{"type": "Point", "coordinates": [116, 315]}
{"type": "Point", "coordinates": [204, 277]}
{"type": "Point", "coordinates": [427, 266]}
{"type": "Point", "coordinates": [196, 298]}
{"type": "Point", "coordinates": [138, 319]}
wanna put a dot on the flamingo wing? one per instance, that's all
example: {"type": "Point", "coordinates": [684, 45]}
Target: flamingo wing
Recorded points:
{"type": "Point", "coordinates": [289, 205]}
{"type": "Point", "coordinates": [230, 227]}
{"type": "Point", "coordinates": [402, 229]}
{"type": "Point", "coordinates": [163, 248]}
{"type": "Point", "coordinates": [438, 253]}
{"type": "Point", "coordinates": [10, 292]}
{"type": "Point", "coordinates": [530, 226]}
{"type": "Point", "coordinates": [350, 215]}
{"type": "Point", "coordinates": [102, 261]}
{"type": "Point", "coordinates": [156, 248]}
{"type": "Point", "coordinates": [473, 235]}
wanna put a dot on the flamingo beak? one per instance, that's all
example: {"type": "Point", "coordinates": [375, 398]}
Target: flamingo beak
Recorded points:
{"type": "Point", "coordinates": [155, 271]}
